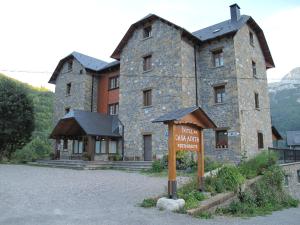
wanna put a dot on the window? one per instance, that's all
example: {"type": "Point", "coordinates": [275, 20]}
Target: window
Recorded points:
{"type": "Point", "coordinates": [81, 71]}
{"type": "Point", "coordinates": [77, 147]}
{"type": "Point", "coordinates": [256, 98]}
{"type": "Point", "coordinates": [103, 146]}
{"type": "Point", "coordinates": [147, 32]}
{"type": "Point", "coordinates": [219, 94]}
{"type": "Point", "coordinates": [260, 140]}
{"type": "Point", "coordinates": [251, 38]}
{"type": "Point", "coordinates": [218, 58]}
{"type": "Point", "coordinates": [68, 90]}
{"type": "Point", "coordinates": [254, 69]}
{"type": "Point", "coordinates": [147, 94]}
{"type": "Point", "coordinates": [70, 65]}
{"type": "Point", "coordinates": [113, 147]}
{"type": "Point", "coordinates": [298, 176]}
{"type": "Point", "coordinates": [65, 145]}
{"type": "Point", "coordinates": [113, 109]}
{"type": "Point", "coordinates": [221, 139]}
{"type": "Point", "coordinates": [113, 83]}
{"type": "Point", "coordinates": [67, 110]}
{"type": "Point", "coordinates": [97, 147]}
{"type": "Point", "coordinates": [147, 65]}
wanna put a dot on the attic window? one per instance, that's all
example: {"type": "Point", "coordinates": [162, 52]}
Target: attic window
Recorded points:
{"type": "Point", "coordinates": [147, 32]}
{"type": "Point", "coordinates": [251, 38]}
{"type": "Point", "coordinates": [217, 30]}
{"type": "Point", "coordinates": [70, 65]}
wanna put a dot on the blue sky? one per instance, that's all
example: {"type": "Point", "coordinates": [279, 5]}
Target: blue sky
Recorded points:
{"type": "Point", "coordinates": [35, 34]}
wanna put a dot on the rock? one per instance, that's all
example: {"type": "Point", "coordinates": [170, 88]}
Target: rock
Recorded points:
{"type": "Point", "coordinates": [170, 204]}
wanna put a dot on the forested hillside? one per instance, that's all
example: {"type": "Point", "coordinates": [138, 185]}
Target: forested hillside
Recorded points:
{"type": "Point", "coordinates": [40, 146]}
{"type": "Point", "coordinates": [285, 102]}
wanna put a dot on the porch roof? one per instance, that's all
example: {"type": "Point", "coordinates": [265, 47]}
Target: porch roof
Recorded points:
{"type": "Point", "coordinates": [79, 123]}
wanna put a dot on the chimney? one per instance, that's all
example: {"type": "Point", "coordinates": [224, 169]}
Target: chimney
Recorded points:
{"type": "Point", "coordinates": [234, 12]}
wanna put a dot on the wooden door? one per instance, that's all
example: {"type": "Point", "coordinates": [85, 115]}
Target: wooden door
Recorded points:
{"type": "Point", "coordinates": [147, 147]}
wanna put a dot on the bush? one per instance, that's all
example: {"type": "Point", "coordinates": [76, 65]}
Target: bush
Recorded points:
{"type": "Point", "coordinates": [157, 166]}
{"type": "Point", "coordinates": [38, 148]}
{"type": "Point", "coordinates": [228, 178]}
{"type": "Point", "coordinates": [257, 165]}
{"type": "Point", "coordinates": [86, 156]}
{"type": "Point", "coordinates": [148, 203]}
{"type": "Point", "coordinates": [265, 196]}
{"type": "Point", "coordinates": [210, 164]}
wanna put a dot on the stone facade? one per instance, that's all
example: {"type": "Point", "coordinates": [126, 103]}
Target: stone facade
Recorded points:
{"type": "Point", "coordinates": [171, 80]}
{"type": "Point", "coordinates": [292, 185]}
{"type": "Point", "coordinates": [79, 97]}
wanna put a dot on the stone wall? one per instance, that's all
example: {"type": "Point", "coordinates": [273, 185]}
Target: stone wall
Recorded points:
{"type": "Point", "coordinates": [293, 187]}
{"type": "Point", "coordinates": [170, 91]}
{"type": "Point", "coordinates": [225, 115]}
{"type": "Point", "coordinates": [80, 95]}
{"type": "Point", "coordinates": [252, 120]}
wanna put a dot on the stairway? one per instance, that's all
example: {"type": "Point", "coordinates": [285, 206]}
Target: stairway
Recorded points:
{"type": "Point", "coordinates": [94, 165]}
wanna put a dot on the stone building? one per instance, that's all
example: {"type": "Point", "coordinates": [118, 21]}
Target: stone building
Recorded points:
{"type": "Point", "coordinates": [161, 67]}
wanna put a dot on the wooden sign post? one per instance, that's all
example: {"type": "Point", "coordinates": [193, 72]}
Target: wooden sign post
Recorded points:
{"type": "Point", "coordinates": [185, 134]}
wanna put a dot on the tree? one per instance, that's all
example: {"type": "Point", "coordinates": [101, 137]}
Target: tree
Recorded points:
{"type": "Point", "coordinates": [16, 117]}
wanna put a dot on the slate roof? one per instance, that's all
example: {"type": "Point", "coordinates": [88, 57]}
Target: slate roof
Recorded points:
{"type": "Point", "coordinates": [92, 123]}
{"type": "Point", "coordinates": [293, 138]}
{"type": "Point", "coordinates": [178, 114]}
{"type": "Point", "coordinates": [88, 62]}
{"type": "Point", "coordinates": [111, 65]}
{"type": "Point", "coordinates": [231, 27]}
{"type": "Point", "coordinates": [220, 29]}
{"type": "Point", "coordinates": [148, 18]}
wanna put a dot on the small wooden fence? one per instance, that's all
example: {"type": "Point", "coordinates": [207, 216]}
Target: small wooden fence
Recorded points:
{"type": "Point", "coordinates": [287, 155]}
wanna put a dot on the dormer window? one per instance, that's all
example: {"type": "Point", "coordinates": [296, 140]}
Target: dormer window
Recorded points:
{"type": "Point", "coordinates": [70, 65]}
{"type": "Point", "coordinates": [147, 32]}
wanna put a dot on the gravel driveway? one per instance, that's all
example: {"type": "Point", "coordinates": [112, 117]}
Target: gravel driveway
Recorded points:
{"type": "Point", "coordinates": [38, 196]}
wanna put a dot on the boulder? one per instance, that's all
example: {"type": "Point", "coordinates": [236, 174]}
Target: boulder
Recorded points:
{"type": "Point", "coordinates": [170, 204]}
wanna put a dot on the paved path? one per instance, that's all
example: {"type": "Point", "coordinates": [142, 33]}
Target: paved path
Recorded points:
{"type": "Point", "coordinates": [50, 196]}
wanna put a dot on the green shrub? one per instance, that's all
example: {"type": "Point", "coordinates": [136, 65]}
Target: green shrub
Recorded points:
{"type": "Point", "coordinates": [157, 166]}
{"type": "Point", "coordinates": [258, 164]}
{"type": "Point", "coordinates": [204, 215]}
{"type": "Point", "coordinates": [210, 164]}
{"type": "Point", "coordinates": [86, 156]}
{"type": "Point", "coordinates": [148, 203]}
{"type": "Point", "coordinates": [24, 155]}
{"type": "Point", "coordinates": [263, 197]}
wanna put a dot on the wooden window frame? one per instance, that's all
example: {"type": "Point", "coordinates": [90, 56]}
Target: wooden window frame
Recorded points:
{"type": "Point", "coordinates": [147, 63]}
{"type": "Point", "coordinates": [218, 142]}
{"type": "Point", "coordinates": [147, 32]}
{"type": "Point", "coordinates": [217, 91]}
{"type": "Point", "coordinates": [218, 57]}
{"type": "Point", "coordinates": [260, 140]}
{"type": "Point", "coordinates": [147, 97]}
{"type": "Point", "coordinates": [115, 109]}
{"type": "Point", "coordinates": [115, 80]}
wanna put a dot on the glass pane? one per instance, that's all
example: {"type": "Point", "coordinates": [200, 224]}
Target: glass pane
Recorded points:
{"type": "Point", "coordinates": [112, 147]}
{"type": "Point", "coordinates": [75, 146]}
{"type": "Point", "coordinates": [97, 147]}
{"type": "Point", "coordinates": [103, 146]}
{"type": "Point", "coordinates": [80, 147]}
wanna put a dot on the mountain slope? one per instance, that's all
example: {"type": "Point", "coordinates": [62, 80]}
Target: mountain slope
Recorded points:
{"type": "Point", "coordinates": [285, 102]}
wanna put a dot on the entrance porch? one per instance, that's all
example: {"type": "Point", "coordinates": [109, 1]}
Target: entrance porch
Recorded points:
{"type": "Point", "coordinates": [88, 136]}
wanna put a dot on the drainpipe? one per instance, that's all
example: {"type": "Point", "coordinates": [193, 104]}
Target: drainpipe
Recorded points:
{"type": "Point", "coordinates": [92, 94]}
{"type": "Point", "coordinates": [196, 75]}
